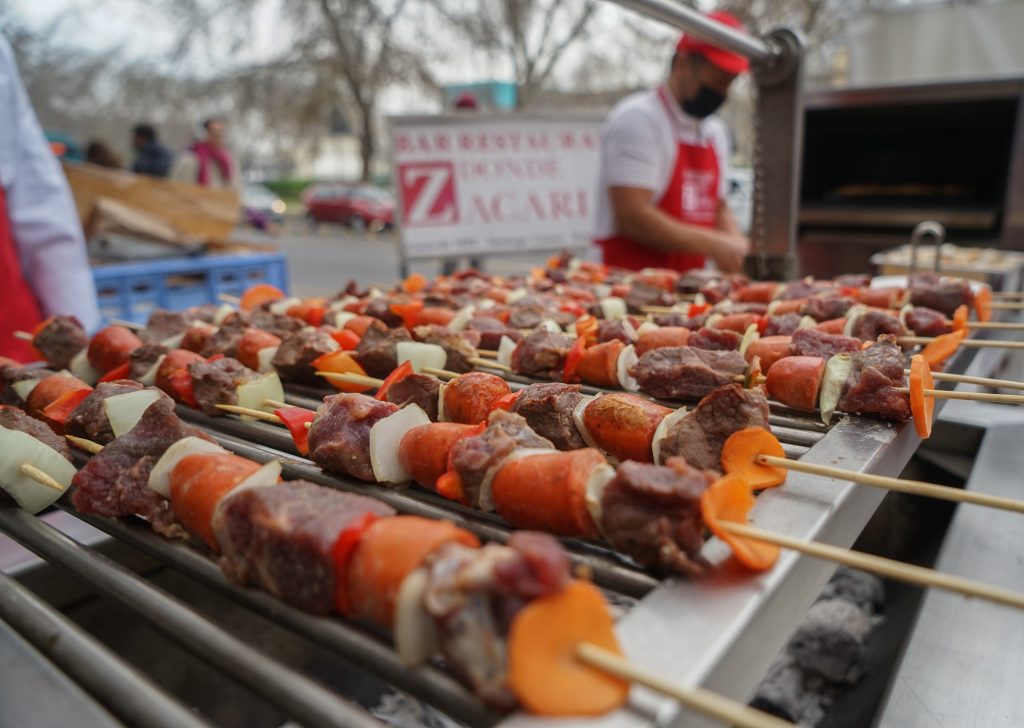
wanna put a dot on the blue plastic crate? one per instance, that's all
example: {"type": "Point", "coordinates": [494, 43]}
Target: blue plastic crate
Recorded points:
{"type": "Point", "coordinates": [131, 291]}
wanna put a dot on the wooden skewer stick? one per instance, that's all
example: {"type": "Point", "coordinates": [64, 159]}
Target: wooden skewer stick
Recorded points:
{"type": "Point", "coordinates": [440, 373]}
{"type": "Point", "coordinates": [1007, 306]}
{"type": "Point", "coordinates": [486, 353]}
{"type": "Point", "coordinates": [226, 298]}
{"type": "Point", "coordinates": [351, 378]}
{"type": "Point", "coordinates": [1007, 294]}
{"type": "Point", "coordinates": [982, 381]}
{"type": "Point", "coordinates": [913, 487]}
{"type": "Point", "coordinates": [41, 477]}
{"type": "Point", "coordinates": [23, 335]}
{"type": "Point", "coordinates": [477, 361]}
{"type": "Point", "coordinates": [275, 404]}
{"type": "Point", "coordinates": [663, 309]}
{"type": "Point", "coordinates": [1001, 325]}
{"type": "Point", "coordinates": [704, 701]}
{"type": "Point", "coordinates": [255, 413]}
{"type": "Point", "coordinates": [127, 324]}
{"type": "Point", "coordinates": [972, 396]}
{"type": "Point", "coordinates": [80, 442]}
{"type": "Point", "coordinates": [880, 565]}
{"type": "Point", "coordinates": [967, 343]}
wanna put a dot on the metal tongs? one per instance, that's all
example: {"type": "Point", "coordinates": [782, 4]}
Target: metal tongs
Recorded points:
{"type": "Point", "coordinates": [929, 229]}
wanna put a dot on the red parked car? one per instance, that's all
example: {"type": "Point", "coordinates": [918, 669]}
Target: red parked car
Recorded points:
{"type": "Point", "coordinates": [359, 207]}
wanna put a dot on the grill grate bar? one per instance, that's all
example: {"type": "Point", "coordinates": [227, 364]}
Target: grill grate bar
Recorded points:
{"type": "Point", "coordinates": [303, 699]}
{"type": "Point", "coordinates": [426, 683]}
{"type": "Point", "coordinates": [121, 689]}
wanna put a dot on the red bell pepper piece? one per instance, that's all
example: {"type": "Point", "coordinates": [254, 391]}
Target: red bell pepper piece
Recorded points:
{"type": "Point", "coordinates": [408, 312]}
{"type": "Point", "coordinates": [762, 324]}
{"type": "Point", "coordinates": [450, 486]}
{"type": "Point", "coordinates": [347, 339]}
{"type": "Point", "coordinates": [572, 307]}
{"type": "Point", "coordinates": [215, 357]}
{"type": "Point", "coordinates": [120, 372]}
{"type": "Point", "coordinates": [573, 359]}
{"type": "Point", "coordinates": [506, 402]}
{"type": "Point", "coordinates": [295, 419]}
{"type": "Point", "coordinates": [180, 384]}
{"type": "Point", "coordinates": [586, 327]}
{"type": "Point", "coordinates": [696, 309]}
{"type": "Point", "coordinates": [59, 410]}
{"type": "Point", "coordinates": [404, 369]}
{"type": "Point", "coordinates": [342, 552]}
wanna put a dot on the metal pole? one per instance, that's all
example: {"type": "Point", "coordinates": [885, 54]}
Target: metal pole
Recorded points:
{"type": "Point", "coordinates": [693, 22]}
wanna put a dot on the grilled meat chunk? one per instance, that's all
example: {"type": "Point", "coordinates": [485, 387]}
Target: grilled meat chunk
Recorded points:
{"type": "Point", "coordinates": [297, 352]}
{"type": "Point", "coordinates": [89, 420]}
{"type": "Point", "coordinates": [14, 418]}
{"type": "Point", "coordinates": [376, 351]}
{"type": "Point", "coordinates": [216, 382]}
{"type": "Point", "coordinates": [60, 340]}
{"type": "Point", "coordinates": [811, 342]}
{"type": "Point", "coordinates": [870, 388]}
{"type": "Point", "coordinates": [683, 372]}
{"type": "Point", "coordinates": [542, 354]}
{"type": "Point", "coordinates": [339, 439]}
{"type": "Point", "coordinates": [547, 409]}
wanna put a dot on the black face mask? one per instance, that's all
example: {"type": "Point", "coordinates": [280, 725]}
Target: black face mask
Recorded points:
{"type": "Point", "coordinates": [704, 104]}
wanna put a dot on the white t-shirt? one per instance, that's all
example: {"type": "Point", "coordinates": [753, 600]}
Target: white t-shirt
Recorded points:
{"type": "Point", "coordinates": [639, 145]}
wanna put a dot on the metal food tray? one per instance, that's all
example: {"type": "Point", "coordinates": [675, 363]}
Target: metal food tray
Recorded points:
{"type": "Point", "coordinates": [1006, 274]}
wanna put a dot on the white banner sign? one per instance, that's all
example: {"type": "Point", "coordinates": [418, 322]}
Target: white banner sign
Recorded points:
{"type": "Point", "coordinates": [495, 184]}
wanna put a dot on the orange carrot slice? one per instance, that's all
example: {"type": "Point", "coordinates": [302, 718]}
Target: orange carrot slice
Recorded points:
{"type": "Point", "coordinates": [730, 499]}
{"type": "Point", "coordinates": [739, 456]}
{"type": "Point", "coordinates": [414, 283]}
{"type": "Point", "coordinates": [341, 362]}
{"type": "Point", "coordinates": [960, 318]}
{"type": "Point", "coordinates": [259, 294]}
{"type": "Point", "coordinates": [983, 304]}
{"type": "Point", "coordinates": [945, 345]}
{"type": "Point", "coordinates": [543, 670]}
{"type": "Point", "coordinates": [922, 406]}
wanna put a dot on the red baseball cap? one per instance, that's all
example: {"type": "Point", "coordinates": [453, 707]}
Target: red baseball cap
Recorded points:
{"type": "Point", "coordinates": [726, 60]}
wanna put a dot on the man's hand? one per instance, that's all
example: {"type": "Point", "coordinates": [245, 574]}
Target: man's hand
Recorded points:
{"type": "Point", "coordinates": [729, 252]}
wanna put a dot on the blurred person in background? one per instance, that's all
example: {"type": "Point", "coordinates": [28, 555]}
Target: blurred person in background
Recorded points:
{"type": "Point", "coordinates": [151, 157]}
{"type": "Point", "coordinates": [98, 153]}
{"type": "Point", "coordinates": [662, 191]}
{"type": "Point", "coordinates": [44, 267]}
{"type": "Point", "coordinates": [208, 162]}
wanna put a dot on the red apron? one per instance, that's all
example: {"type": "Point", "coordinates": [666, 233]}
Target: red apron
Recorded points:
{"type": "Point", "coordinates": [19, 310]}
{"type": "Point", "coordinates": [691, 197]}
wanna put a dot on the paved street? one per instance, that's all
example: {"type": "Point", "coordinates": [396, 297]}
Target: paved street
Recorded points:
{"type": "Point", "coordinates": [321, 262]}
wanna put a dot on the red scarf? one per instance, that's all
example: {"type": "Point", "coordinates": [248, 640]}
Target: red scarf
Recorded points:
{"type": "Point", "coordinates": [205, 154]}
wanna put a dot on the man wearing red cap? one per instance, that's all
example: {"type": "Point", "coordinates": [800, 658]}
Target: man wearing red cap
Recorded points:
{"type": "Point", "coordinates": [661, 201]}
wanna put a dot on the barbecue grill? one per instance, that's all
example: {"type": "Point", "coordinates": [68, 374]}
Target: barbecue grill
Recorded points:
{"type": "Point", "coordinates": [721, 633]}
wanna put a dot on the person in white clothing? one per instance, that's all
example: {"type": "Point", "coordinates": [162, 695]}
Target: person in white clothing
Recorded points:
{"type": "Point", "coordinates": [44, 266]}
{"type": "Point", "coordinates": [661, 200]}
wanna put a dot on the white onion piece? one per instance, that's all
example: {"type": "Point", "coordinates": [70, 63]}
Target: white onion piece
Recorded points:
{"type": "Point", "coordinates": [629, 329]}
{"type": "Point", "coordinates": [149, 378]}
{"type": "Point", "coordinates": [577, 417]}
{"type": "Point", "coordinates": [18, 448]}
{"type": "Point", "coordinates": [340, 303]}
{"type": "Point", "coordinates": [833, 381]}
{"type": "Point", "coordinates": [24, 387]}
{"type": "Point", "coordinates": [627, 358]}
{"type": "Point", "coordinates": [613, 308]}
{"type": "Point", "coordinates": [852, 317]}
{"type": "Point", "coordinates": [415, 630]}
{"type": "Point", "coordinates": [125, 410]}
{"type": "Point", "coordinates": [646, 326]}
{"type": "Point", "coordinates": [571, 329]}
{"type": "Point", "coordinates": [442, 413]}
{"type": "Point", "coordinates": [281, 306]}
{"type": "Point", "coordinates": [779, 290]}
{"type": "Point", "coordinates": [264, 358]}
{"type": "Point", "coordinates": [251, 394]}
{"type": "Point", "coordinates": [421, 354]}
{"type": "Point", "coordinates": [386, 436]}
{"type": "Point", "coordinates": [485, 498]}
{"type": "Point", "coordinates": [174, 342]}
{"type": "Point", "coordinates": [515, 294]}
{"type": "Point", "coordinates": [218, 318]}
{"type": "Point", "coordinates": [461, 318]}
{"type": "Point", "coordinates": [602, 290]}
{"type": "Point", "coordinates": [486, 303]}
{"type": "Point", "coordinates": [374, 293]}
{"type": "Point", "coordinates": [771, 308]}
{"type": "Point", "coordinates": [597, 481]}
{"type": "Point", "coordinates": [666, 424]}
{"type": "Point", "coordinates": [807, 322]}
{"type": "Point", "coordinates": [268, 475]}
{"type": "Point", "coordinates": [749, 337]}
{"type": "Point", "coordinates": [341, 318]}
{"type": "Point", "coordinates": [81, 368]}
{"type": "Point", "coordinates": [700, 300]}
{"type": "Point", "coordinates": [160, 475]}
{"type": "Point", "coordinates": [506, 347]}
{"type": "Point", "coordinates": [550, 325]}
{"type": "Point", "coordinates": [903, 315]}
